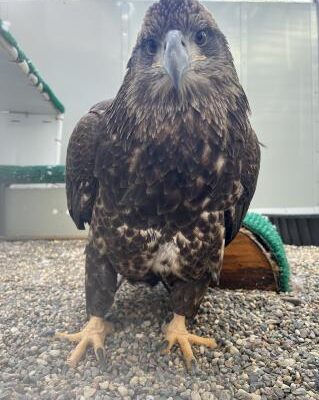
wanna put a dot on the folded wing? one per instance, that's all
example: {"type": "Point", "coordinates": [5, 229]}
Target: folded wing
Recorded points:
{"type": "Point", "coordinates": [81, 184]}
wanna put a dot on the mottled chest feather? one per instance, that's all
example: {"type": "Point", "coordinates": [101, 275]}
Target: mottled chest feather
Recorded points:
{"type": "Point", "coordinates": [168, 182]}
{"type": "Point", "coordinates": [144, 254]}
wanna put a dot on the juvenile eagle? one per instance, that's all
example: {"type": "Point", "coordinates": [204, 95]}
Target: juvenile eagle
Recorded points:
{"type": "Point", "coordinates": [163, 173]}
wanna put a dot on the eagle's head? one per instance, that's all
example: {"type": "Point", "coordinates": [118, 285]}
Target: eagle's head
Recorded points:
{"type": "Point", "coordinates": [180, 63]}
{"type": "Point", "coordinates": [180, 52]}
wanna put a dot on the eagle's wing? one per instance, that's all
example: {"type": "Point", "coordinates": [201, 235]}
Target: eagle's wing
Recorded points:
{"type": "Point", "coordinates": [81, 185]}
{"type": "Point", "coordinates": [234, 216]}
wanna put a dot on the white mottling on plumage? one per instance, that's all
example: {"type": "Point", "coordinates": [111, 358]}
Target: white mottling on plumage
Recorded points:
{"type": "Point", "coordinates": [150, 234]}
{"type": "Point", "coordinates": [182, 239]}
{"type": "Point", "coordinates": [122, 229]}
{"type": "Point", "coordinates": [198, 233]}
{"type": "Point", "coordinates": [100, 244]}
{"type": "Point", "coordinates": [219, 163]}
{"type": "Point", "coordinates": [84, 199]}
{"type": "Point", "coordinates": [204, 215]}
{"type": "Point", "coordinates": [221, 256]}
{"type": "Point", "coordinates": [166, 260]}
{"type": "Point", "coordinates": [206, 201]}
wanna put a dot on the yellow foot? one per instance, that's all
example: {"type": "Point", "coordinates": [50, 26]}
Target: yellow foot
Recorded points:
{"type": "Point", "coordinates": [92, 334]}
{"type": "Point", "coordinates": [176, 332]}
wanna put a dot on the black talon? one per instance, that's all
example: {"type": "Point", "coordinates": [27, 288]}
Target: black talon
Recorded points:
{"type": "Point", "coordinates": [163, 346]}
{"type": "Point", "coordinates": [101, 358]}
{"type": "Point", "coordinates": [220, 342]}
{"type": "Point", "coordinates": [192, 368]}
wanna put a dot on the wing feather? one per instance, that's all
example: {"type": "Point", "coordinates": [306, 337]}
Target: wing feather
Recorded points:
{"type": "Point", "coordinates": [81, 184]}
{"type": "Point", "coordinates": [234, 216]}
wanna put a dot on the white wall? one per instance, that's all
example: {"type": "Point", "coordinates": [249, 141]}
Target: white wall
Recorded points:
{"type": "Point", "coordinates": [27, 139]}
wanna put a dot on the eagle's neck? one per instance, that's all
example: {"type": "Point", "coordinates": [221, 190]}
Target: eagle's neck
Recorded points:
{"type": "Point", "coordinates": [137, 115]}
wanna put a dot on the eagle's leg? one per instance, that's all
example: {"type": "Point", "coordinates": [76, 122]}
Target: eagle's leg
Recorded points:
{"type": "Point", "coordinates": [186, 298]}
{"type": "Point", "coordinates": [100, 286]}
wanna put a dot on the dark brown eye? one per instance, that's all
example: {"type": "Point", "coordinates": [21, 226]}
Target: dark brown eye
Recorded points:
{"type": "Point", "coordinates": [151, 46]}
{"type": "Point", "coordinates": [201, 38]}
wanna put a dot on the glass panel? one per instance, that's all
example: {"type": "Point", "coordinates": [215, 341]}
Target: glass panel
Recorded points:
{"type": "Point", "coordinates": [279, 87]}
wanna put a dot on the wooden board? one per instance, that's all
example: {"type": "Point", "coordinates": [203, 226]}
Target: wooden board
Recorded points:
{"type": "Point", "coordinates": [248, 265]}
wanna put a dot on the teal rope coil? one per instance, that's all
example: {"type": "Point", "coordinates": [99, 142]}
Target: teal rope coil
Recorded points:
{"type": "Point", "coordinates": [267, 232]}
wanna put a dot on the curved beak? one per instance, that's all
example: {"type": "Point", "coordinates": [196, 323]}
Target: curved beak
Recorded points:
{"type": "Point", "coordinates": [176, 58]}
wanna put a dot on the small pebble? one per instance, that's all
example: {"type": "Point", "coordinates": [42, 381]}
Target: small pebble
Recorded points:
{"type": "Point", "coordinates": [233, 350]}
{"type": "Point", "coordinates": [195, 396]}
{"type": "Point", "coordinates": [88, 392]}
{"type": "Point", "coordinates": [123, 391]}
{"type": "Point", "coordinates": [55, 353]}
{"type": "Point", "coordinates": [299, 392]}
{"type": "Point", "coordinates": [287, 362]}
{"type": "Point", "coordinates": [293, 300]}
{"type": "Point", "coordinates": [104, 385]}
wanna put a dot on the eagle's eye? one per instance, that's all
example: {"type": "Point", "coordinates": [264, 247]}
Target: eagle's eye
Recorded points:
{"type": "Point", "coordinates": [201, 38]}
{"type": "Point", "coordinates": [151, 46]}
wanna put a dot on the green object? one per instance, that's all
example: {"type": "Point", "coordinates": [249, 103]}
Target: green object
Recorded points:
{"type": "Point", "coordinates": [30, 68]}
{"type": "Point", "coordinates": [268, 234]}
{"type": "Point", "coordinates": [13, 174]}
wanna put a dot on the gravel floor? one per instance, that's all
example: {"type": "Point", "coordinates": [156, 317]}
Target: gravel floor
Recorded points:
{"type": "Point", "coordinates": [270, 346]}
